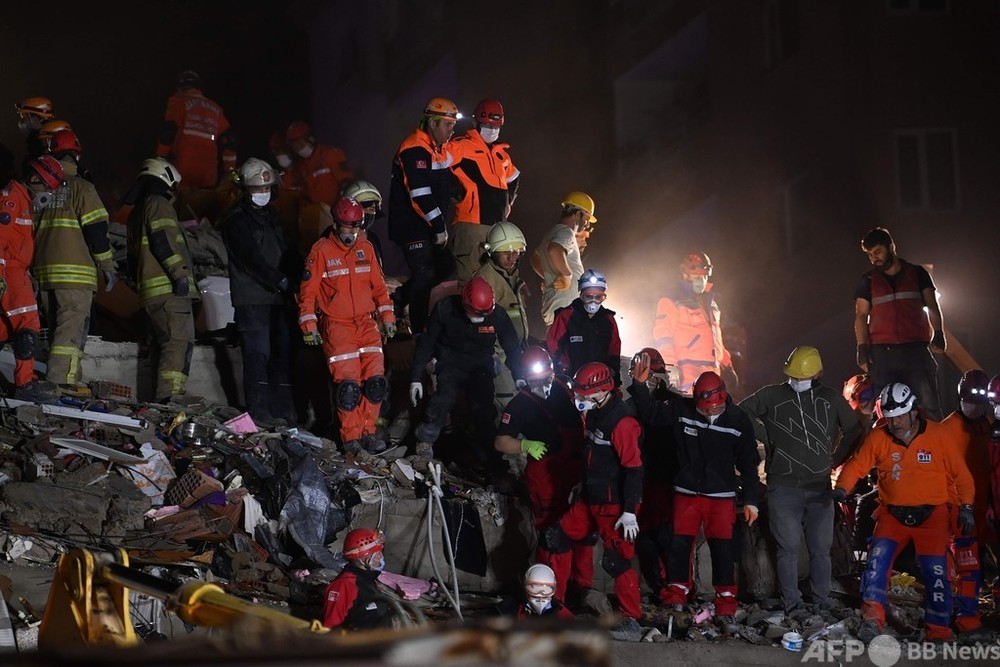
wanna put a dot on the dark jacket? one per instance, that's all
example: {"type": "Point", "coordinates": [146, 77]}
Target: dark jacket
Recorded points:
{"type": "Point", "coordinates": [611, 457]}
{"type": "Point", "coordinates": [575, 338]}
{"type": "Point", "coordinates": [353, 601]}
{"type": "Point", "coordinates": [259, 257]}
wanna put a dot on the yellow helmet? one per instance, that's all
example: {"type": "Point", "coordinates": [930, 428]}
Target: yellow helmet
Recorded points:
{"type": "Point", "coordinates": [504, 237]}
{"type": "Point", "coordinates": [442, 106]}
{"type": "Point", "coordinates": [803, 363]}
{"type": "Point", "coordinates": [583, 201]}
{"type": "Point", "coordinates": [36, 106]}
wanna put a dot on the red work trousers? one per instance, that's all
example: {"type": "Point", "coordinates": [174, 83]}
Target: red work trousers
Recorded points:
{"type": "Point", "coordinates": [717, 517]}
{"type": "Point", "coordinates": [353, 350]}
{"type": "Point", "coordinates": [20, 313]}
{"type": "Point", "coordinates": [965, 569]}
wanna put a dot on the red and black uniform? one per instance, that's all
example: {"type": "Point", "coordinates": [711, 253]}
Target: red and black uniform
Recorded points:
{"type": "Point", "coordinates": [353, 601]}
{"type": "Point", "coordinates": [575, 338]}
{"type": "Point", "coordinates": [556, 422]}
{"type": "Point", "coordinates": [612, 485]}
{"type": "Point", "coordinates": [705, 485]}
{"type": "Point", "coordinates": [19, 323]}
{"type": "Point", "coordinates": [914, 485]}
{"type": "Point", "coordinates": [194, 131]}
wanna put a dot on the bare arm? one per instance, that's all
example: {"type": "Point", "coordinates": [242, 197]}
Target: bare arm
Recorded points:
{"type": "Point", "coordinates": [936, 318]}
{"type": "Point", "coordinates": [862, 309]}
{"type": "Point", "coordinates": [557, 258]}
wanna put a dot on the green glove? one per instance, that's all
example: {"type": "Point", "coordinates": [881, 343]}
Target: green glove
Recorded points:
{"type": "Point", "coordinates": [534, 448]}
{"type": "Point", "coordinates": [312, 338]}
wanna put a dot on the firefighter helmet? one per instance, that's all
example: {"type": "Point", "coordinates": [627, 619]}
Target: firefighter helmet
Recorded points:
{"type": "Point", "coordinates": [64, 142]}
{"type": "Point", "coordinates": [582, 201]}
{"type": "Point", "coordinates": [35, 106]}
{"type": "Point", "coordinates": [859, 389]}
{"type": "Point", "coordinates": [896, 400]}
{"type": "Point", "coordinates": [347, 212]}
{"type": "Point", "coordinates": [489, 112]}
{"type": "Point", "coordinates": [536, 364]}
{"type": "Point", "coordinates": [804, 363]}
{"type": "Point", "coordinates": [656, 362]}
{"type": "Point", "coordinates": [442, 106]}
{"type": "Point", "coordinates": [593, 377]}
{"type": "Point", "coordinates": [710, 392]}
{"type": "Point", "coordinates": [505, 237]}
{"type": "Point", "coordinates": [362, 192]}
{"type": "Point", "coordinates": [592, 280]}
{"type": "Point", "coordinates": [298, 130]}
{"type": "Point", "coordinates": [362, 542]}
{"type": "Point", "coordinates": [696, 264]}
{"type": "Point", "coordinates": [256, 172]}
{"type": "Point", "coordinates": [477, 297]}
{"type": "Point", "coordinates": [161, 169]}
{"type": "Point", "coordinates": [974, 387]}
{"type": "Point", "coordinates": [51, 128]}
{"type": "Point", "coordinates": [49, 170]}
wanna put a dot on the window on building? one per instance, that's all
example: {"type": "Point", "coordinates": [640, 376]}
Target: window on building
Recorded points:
{"type": "Point", "coordinates": [927, 170]}
{"type": "Point", "coordinates": [782, 30]}
{"type": "Point", "coordinates": [919, 6]}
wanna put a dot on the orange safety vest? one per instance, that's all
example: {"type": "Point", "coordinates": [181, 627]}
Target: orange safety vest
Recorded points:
{"type": "Point", "coordinates": [194, 149]}
{"type": "Point", "coordinates": [485, 172]}
{"type": "Point", "coordinates": [689, 335]}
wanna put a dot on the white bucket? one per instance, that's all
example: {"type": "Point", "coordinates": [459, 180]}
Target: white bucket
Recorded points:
{"type": "Point", "coordinates": [792, 641]}
{"type": "Point", "coordinates": [216, 301]}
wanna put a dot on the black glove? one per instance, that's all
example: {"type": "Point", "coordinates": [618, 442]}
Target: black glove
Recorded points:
{"type": "Point", "coordinates": [182, 286]}
{"type": "Point", "coordinates": [966, 519]}
{"type": "Point", "coordinates": [864, 356]}
{"type": "Point", "coordinates": [838, 495]}
{"type": "Point", "coordinates": [283, 284]}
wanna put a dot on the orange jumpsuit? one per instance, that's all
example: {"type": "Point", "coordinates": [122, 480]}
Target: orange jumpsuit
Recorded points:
{"type": "Point", "coordinates": [195, 129]}
{"type": "Point", "coordinates": [19, 319]}
{"type": "Point", "coordinates": [342, 288]}
{"type": "Point", "coordinates": [688, 333]}
{"type": "Point", "coordinates": [321, 175]}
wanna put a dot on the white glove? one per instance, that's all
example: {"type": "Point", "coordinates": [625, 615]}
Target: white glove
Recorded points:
{"type": "Point", "coordinates": [441, 238]}
{"type": "Point", "coordinates": [416, 393]}
{"type": "Point", "coordinates": [630, 527]}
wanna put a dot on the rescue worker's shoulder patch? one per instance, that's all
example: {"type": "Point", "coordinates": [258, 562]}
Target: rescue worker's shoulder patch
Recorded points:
{"type": "Point", "coordinates": [506, 418]}
{"type": "Point", "coordinates": [421, 164]}
{"type": "Point", "coordinates": [690, 430]}
{"type": "Point", "coordinates": [331, 596]}
{"type": "Point", "coordinates": [360, 254]}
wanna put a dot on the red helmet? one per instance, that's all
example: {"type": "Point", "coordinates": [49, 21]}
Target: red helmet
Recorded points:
{"type": "Point", "coordinates": [477, 297]}
{"type": "Point", "coordinates": [298, 130]}
{"type": "Point", "coordinates": [49, 170]}
{"type": "Point", "coordinates": [593, 377]}
{"type": "Point", "coordinates": [348, 213]}
{"type": "Point", "coordinates": [362, 542]}
{"type": "Point", "coordinates": [696, 264]}
{"type": "Point", "coordinates": [656, 362]}
{"type": "Point", "coordinates": [64, 142]}
{"type": "Point", "coordinates": [536, 364]}
{"type": "Point", "coordinates": [993, 393]}
{"type": "Point", "coordinates": [859, 389]}
{"type": "Point", "coordinates": [709, 391]}
{"type": "Point", "coordinates": [489, 112]}
{"type": "Point", "coordinates": [277, 142]}
{"type": "Point", "coordinates": [974, 387]}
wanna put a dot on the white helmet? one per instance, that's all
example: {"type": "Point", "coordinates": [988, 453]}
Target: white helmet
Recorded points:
{"type": "Point", "coordinates": [256, 172]}
{"type": "Point", "coordinates": [896, 400]}
{"type": "Point", "coordinates": [362, 192]}
{"type": "Point", "coordinates": [504, 237]}
{"type": "Point", "coordinates": [161, 169]}
{"type": "Point", "coordinates": [539, 587]}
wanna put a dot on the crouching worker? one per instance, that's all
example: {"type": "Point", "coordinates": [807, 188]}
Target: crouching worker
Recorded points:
{"type": "Point", "coordinates": [915, 458]}
{"type": "Point", "coordinates": [352, 600]}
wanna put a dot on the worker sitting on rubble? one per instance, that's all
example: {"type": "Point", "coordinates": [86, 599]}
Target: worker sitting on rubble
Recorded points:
{"type": "Point", "coordinates": [461, 334]}
{"type": "Point", "coordinates": [352, 601]}
{"type": "Point", "coordinates": [585, 330]}
{"type": "Point", "coordinates": [539, 596]}
{"type": "Point", "coordinates": [916, 459]}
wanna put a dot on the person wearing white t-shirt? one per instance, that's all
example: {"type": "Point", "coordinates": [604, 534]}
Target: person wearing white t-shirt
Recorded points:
{"type": "Point", "coordinates": [557, 260]}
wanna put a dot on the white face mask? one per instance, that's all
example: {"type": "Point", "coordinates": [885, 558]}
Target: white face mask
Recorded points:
{"type": "Point", "coordinates": [584, 404]}
{"type": "Point", "coordinates": [711, 418]}
{"type": "Point", "coordinates": [799, 386]}
{"type": "Point", "coordinates": [542, 391]}
{"type": "Point", "coordinates": [489, 134]}
{"type": "Point", "coordinates": [972, 410]}
{"type": "Point", "coordinates": [699, 284]}
{"type": "Point", "coordinates": [305, 151]}
{"type": "Point", "coordinates": [475, 319]}
{"type": "Point", "coordinates": [283, 161]}
{"type": "Point", "coordinates": [377, 562]}
{"type": "Point", "coordinates": [591, 307]}
{"type": "Point", "coordinates": [260, 198]}
{"type": "Point", "coordinates": [347, 237]}
{"type": "Point", "coordinates": [41, 200]}
{"type": "Point", "coordinates": [539, 605]}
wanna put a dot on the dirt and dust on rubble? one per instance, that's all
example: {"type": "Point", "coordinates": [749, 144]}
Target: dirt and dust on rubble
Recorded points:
{"type": "Point", "coordinates": [199, 492]}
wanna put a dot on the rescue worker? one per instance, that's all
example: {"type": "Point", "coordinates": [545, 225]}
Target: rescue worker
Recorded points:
{"type": "Point", "coordinates": [50, 129]}
{"type": "Point", "coordinates": [557, 260]}
{"type": "Point", "coordinates": [585, 330]}
{"type": "Point", "coordinates": [420, 198]}
{"type": "Point", "coordinates": [898, 322]}
{"type": "Point", "coordinates": [32, 113]}
{"type": "Point", "coordinates": [164, 275]}
{"type": "Point", "coordinates": [610, 493]}
{"type": "Point", "coordinates": [970, 429]}
{"type": "Point", "coordinates": [71, 249]}
{"type": "Point", "coordinates": [194, 133]}
{"type": "Point", "coordinates": [342, 287]}
{"type": "Point", "coordinates": [504, 246]}
{"type": "Point", "coordinates": [993, 393]}
{"type": "Point", "coordinates": [370, 199]}
{"type": "Point", "coordinates": [916, 460]}
{"type": "Point", "coordinates": [688, 329]}
{"type": "Point", "coordinates": [801, 422]}
{"type": "Point", "coordinates": [262, 277]}
{"type": "Point", "coordinates": [659, 465]}
{"type": "Point", "coordinates": [542, 421]}
{"type": "Point", "coordinates": [352, 601]}
{"type": "Point", "coordinates": [859, 392]}
{"type": "Point", "coordinates": [321, 172]}
{"type": "Point", "coordinates": [19, 322]}
{"type": "Point", "coordinates": [714, 439]}
{"type": "Point", "coordinates": [462, 334]}
{"type": "Point", "coordinates": [489, 178]}
{"type": "Point", "coordinates": [540, 599]}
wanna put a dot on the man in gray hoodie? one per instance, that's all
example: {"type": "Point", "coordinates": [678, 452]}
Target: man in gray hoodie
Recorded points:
{"type": "Point", "coordinates": [801, 423]}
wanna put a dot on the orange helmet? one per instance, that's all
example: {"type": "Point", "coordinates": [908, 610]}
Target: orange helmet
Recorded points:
{"type": "Point", "coordinates": [348, 213]}
{"type": "Point", "coordinates": [277, 142]}
{"type": "Point", "coordinates": [710, 392]}
{"type": "Point", "coordinates": [65, 141]}
{"type": "Point", "coordinates": [696, 264]}
{"type": "Point", "coordinates": [298, 130]}
{"type": "Point", "coordinates": [859, 389]}
{"type": "Point", "coordinates": [442, 106]}
{"type": "Point", "coordinates": [536, 364]}
{"type": "Point", "coordinates": [51, 128]}
{"type": "Point", "coordinates": [35, 106]}
{"type": "Point", "coordinates": [489, 112]}
{"type": "Point", "coordinates": [362, 542]}
{"type": "Point", "coordinates": [593, 377]}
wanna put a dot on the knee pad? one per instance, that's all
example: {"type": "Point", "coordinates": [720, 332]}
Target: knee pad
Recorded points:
{"type": "Point", "coordinates": [25, 344]}
{"type": "Point", "coordinates": [348, 395]}
{"type": "Point", "coordinates": [556, 540]}
{"type": "Point", "coordinates": [614, 563]}
{"type": "Point", "coordinates": [376, 388]}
